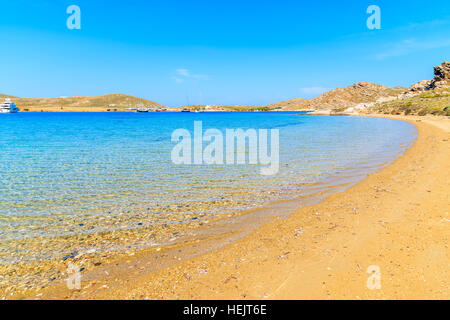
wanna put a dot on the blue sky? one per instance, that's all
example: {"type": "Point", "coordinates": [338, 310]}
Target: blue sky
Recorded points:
{"type": "Point", "coordinates": [217, 52]}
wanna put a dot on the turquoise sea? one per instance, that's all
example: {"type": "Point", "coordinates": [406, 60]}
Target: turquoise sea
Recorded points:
{"type": "Point", "coordinates": [72, 173]}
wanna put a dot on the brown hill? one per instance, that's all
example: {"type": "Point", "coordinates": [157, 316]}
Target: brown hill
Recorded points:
{"type": "Point", "coordinates": [342, 98]}
{"type": "Point", "coordinates": [83, 103]}
{"type": "Point", "coordinates": [4, 96]}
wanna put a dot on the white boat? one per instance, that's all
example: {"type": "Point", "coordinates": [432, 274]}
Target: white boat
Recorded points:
{"type": "Point", "coordinates": [8, 107]}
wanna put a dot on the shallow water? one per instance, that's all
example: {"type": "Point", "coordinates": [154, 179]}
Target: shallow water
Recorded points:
{"type": "Point", "coordinates": [63, 174]}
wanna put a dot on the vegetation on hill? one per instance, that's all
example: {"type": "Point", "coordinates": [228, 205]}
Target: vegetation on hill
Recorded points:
{"type": "Point", "coordinates": [252, 108]}
{"type": "Point", "coordinates": [226, 108]}
{"type": "Point", "coordinates": [435, 102]}
{"type": "Point", "coordinates": [82, 103]}
{"type": "Point", "coordinates": [5, 96]}
{"type": "Point", "coordinates": [422, 98]}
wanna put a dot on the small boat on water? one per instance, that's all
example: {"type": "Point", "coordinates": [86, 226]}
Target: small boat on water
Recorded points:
{"type": "Point", "coordinates": [8, 107]}
{"type": "Point", "coordinates": [142, 110]}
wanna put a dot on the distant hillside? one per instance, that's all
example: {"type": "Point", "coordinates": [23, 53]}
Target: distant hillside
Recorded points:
{"type": "Point", "coordinates": [4, 96]}
{"type": "Point", "coordinates": [424, 97]}
{"type": "Point", "coordinates": [80, 103]}
{"type": "Point", "coordinates": [341, 98]}
{"type": "Point", "coordinates": [336, 100]}
{"type": "Point", "coordinates": [202, 107]}
{"type": "Point", "coordinates": [292, 104]}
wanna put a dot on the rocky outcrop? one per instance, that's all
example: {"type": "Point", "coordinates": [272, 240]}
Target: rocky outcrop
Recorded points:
{"type": "Point", "coordinates": [441, 80]}
{"type": "Point", "coordinates": [441, 76]}
{"type": "Point", "coordinates": [420, 86]}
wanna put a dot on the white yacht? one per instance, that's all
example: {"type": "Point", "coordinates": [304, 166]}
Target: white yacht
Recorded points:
{"type": "Point", "coordinates": [8, 107]}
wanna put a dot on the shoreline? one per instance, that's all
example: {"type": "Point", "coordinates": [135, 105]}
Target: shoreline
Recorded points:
{"type": "Point", "coordinates": [200, 265]}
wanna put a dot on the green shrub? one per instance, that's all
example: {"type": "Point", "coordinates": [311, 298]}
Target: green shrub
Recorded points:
{"type": "Point", "coordinates": [422, 112]}
{"type": "Point", "coordinates": [435, 112]}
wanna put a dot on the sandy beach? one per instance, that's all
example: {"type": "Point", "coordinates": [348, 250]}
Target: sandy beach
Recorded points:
{"type": "Point", "coordinates": [193, 154]}
{"type": "Point", "coordinates": [396, 221]}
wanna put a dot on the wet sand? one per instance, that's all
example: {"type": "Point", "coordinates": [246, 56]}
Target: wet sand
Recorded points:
{"type": "Point", "coordinates": [397, 220]}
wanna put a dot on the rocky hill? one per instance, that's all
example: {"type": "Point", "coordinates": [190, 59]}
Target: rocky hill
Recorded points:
{"type": "Point", "coordinates": [340, 99]}
{"type": "Point", "coordinates": [83, 103]}
{"type": "Point", "coordinates": [423, 97]}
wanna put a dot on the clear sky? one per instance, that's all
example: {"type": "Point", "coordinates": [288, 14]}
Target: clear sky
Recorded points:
{"type": "Point", "coordinates": [217, 52]}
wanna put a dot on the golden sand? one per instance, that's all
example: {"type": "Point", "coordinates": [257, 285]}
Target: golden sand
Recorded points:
{"type": "Point", "coordinates": [397, 221]}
